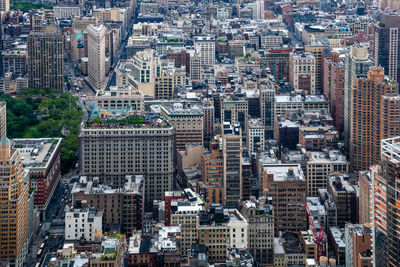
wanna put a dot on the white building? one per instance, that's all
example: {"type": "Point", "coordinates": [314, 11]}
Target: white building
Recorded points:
{"type": "Point", "coordinates": [238, 227]}
{"type": "Point", "coordinates": [206, 47]}
{"type": "Point", "coordinates": [255, 135]}
{"type": "Point", "coordinates": [302, 72]}
{"type": "Point", "coordinates": [96, 55]}
{"type": "Point", "coordinates": [82, 222]}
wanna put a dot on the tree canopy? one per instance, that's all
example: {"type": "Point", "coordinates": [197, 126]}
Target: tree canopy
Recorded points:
{"type": "Point", "coordinates": [37, 113]}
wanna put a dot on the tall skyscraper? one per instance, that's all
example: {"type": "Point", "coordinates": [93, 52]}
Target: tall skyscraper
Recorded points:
{"type": "Point", "coordinates": [375, 105]}
{"type": "Point", "coordinates": [4, 5]}
{"type": "Point", "coordinates": [13, 205]}
{"type": "Point", "coordinates": [232, 153]}
{"type": "Point", "coordinates": [356, 64]}
{"type": "Point", "coordinates": [96, 55]}
{"type": "Point", "coordinates": [387, 49]}
{"type": "Point", "coordinates": [45, 54]}
{"type": "Point", "coordinates": [391, 173]}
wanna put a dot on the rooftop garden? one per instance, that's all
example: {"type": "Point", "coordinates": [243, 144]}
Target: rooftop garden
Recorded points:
{"type": "Point", "coordinates": [128, 122]}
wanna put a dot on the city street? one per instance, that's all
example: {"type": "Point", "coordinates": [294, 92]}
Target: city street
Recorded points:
{"type": "Point", "coordinates": [52, 228]}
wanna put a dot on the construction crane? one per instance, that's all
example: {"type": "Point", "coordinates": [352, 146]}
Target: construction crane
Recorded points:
{"type": "Point", "coordinates": [320, 236]}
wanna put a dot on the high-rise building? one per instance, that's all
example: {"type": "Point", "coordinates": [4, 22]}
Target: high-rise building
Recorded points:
{"type": "Point", "coordinates": [235, 110]}
{"type": "Point", "coordinates": [111, 148]}
{"type": "Point", "coordinates": [254, 136]}
{"type": "Point", "coordinates": [357, 64]}
{"type": "Point", "coordinates": [212, 175]}
{"type": "Point", "coordinates": [365, 197]}
{"type": "Point", "coordinates": [320, 52]}
{"type": "Point", "coordinates": [277, 60]}
{"type": "Point", "coordinates": [391, 174]}
{"type": "Point", "coordinates": [45, 55]}
{"type": "Point", "coordinates": [121, 206]}
{"type": "Point", "coordinates": [267, 110]}
{"type": "Point", "coordinates": [232, 154]}
{"type": "Point", "coordinates": [320, 165]}
{"type": "Point", "coordinates": [96, 55]}
{"type": "Point", "coordinates": [195, 67]}
{"type": "Point", "coordinates": [164, 87]}
{"type": "Point", "coordinates": [3, 119]}
{"type": "Point", "coordinates": [206, 47]}
{"type": "Point", "coordinates": [375, 105]}
{"type": "Point", "coordinates": [5, 5]}
{"type": "Point", "coordinates": [358, 239]}
{"type": "Point", "coordinates": [386, 54]}
{"type": "Point", "coordinates": [333, 87]}
{"type": "Point", "coordinates": [286, 184]}
{"type": "Point", "coordinates": [208, 123]}
{"type": "Point", "coordinates": [42, 157]}
{"type": "Point", "coordinates": [13, 205]}
{"type": "Point", "coordinates": [188, 122]}
{"type": "Point", "coordinates": [345, 198]}
{"type": "Point", "coordinates": [302, 72]}
{"type": "Point", "coordinates": [144, 69]}
{"type": "Point", "coordinates": [260, 216]}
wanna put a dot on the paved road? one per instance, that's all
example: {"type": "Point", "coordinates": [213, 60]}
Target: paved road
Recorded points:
{"type": "Point", "coordinates": [52, 228]}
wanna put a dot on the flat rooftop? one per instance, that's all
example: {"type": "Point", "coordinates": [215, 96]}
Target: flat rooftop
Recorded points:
{"type": "Point", "coordinates": [178, 110]}
{"type": "Point", "coordinates": [37, 152]}
{"type": "Point", "coordinates": [285, 172]}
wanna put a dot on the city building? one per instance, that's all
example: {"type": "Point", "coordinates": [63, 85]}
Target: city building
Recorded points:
{"type": "Point", "coordinates": [123, 208]}
{"type": "Point", "coordinates": [358, 240]}
{"type": "Point", "coordinates": [333, 85]}
{"type": "Point", "coordinates": [255, 135]}
{"type": "Point", "coordinates": [357, 64]}
{"type": "Point", "coordinates": [205, 45]}
{"type": "Point", "coordinates": [109, 253]}
{"type": "Point", "coordinates": [41, 158]}
{"type": "Point", "coordinates": [260, 217]}
{"type": "Point", "coordinates": [212, 175]}
{"type": "Point", "coordinates": [14, 206]}
{"type": "Point", "coordinates": [119, 97]}
{"type": "Point", "coordinates": [277, 60]}
{"type": "Point", "coordinates": [303, 73]}
{"type": "Point", "coordinates": [287, 251]}
{"type": "Point", "coordinates": [220, 229]}
{"type": "Point", "coordinates": [366, 197]}
{"type": "Point", "coordinates": [148, 142]}
{"type": "Point", "coordinates": [286, 185]}
{"type": "Point", "coordinates": [164, 87]}
{"type": "Point", "coordinates": [45, 54]}
{"type": "Point", "coordinates": [96, 55]}
{"type": "Point", "coordinates": [234, 110]}
{"type": "Point", "coordinates": [390, 167]}
{"type": "Point", "coordinates": [5, 5]}
{"type": "Point", "coordinates": [386, 37]}
{"type": "Point", "coordinates": [345, 198]}
{"type": "Point", "coordinates": [83, 222]}
{"type": "Point", "coordinates": [188, 123]}
{"type": "Point", "coordinates": [320, 52]}
{"type": "Point", "coordinates": [232, 155]}
{"type": "Point", "coordinates": [320, 166]}
{"type": "Point", "coordinates": [267, 110]}
{"type": "Point", "coordinates": [375, 114]}
{"type": "Point", "coordinates": [208, 123]}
